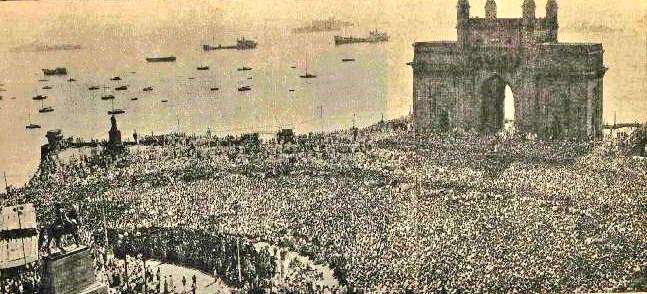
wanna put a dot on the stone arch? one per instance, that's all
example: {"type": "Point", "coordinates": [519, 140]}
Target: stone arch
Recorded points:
{"type": "Point", "coordinates": [492, 97]}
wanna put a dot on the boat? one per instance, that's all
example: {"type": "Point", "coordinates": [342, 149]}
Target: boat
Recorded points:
{"type": "Point", "coordinates": [291, 90]}
{"type": "Point", "coordinates": [13, 98]}
{"type": "Point", "coordinates": [71, 80]}
{"type": "Point", "coordinates": [244, 88]}
{"type": "Point", "coordinates": [373, 37]}
{"type": "Point", "coordinates": [249, 78]}
{"type": "Point", "coordinates": [293, 67]}
{"type": "Point", "coordinates": [203, 68]}
{"type": "Point", "coordinates": [116, 79]}
{"type": "Point", "coordinates": [307, 75]}
{"type": "Point", "coordinates": [122, 88]}
{"type": "Point", "coordinates": [134, 99]}
{"type": "Point", "coordinates": [3, 90]}
{"type": "Point", "coordinates": [161, 59]}
{"type": "Point", "coordinates": [46, 109]}
{"type": "Point", "coordinates": [164, 101]}
{"type": "Point", "coordinates": [43, 80]}
{"type": "Point", "coordinates": [148, 89]}
{"type": "Point", "coordinates": [39, 97]}
{"type": "Point", "coordinates": [93, 88]}
{"type": "Point", "coordinates": [31, 125]}
{"type": "Point", "coordinates": [191, 78]}
{"type": "Point", "coordinates": [47, 88]}
{"type": "Point", "coordinates": [241, 44]}
{"type": "Point", "coordinates": [215, 89]}
{"type": "Point", "coordinates": [59, 71]}
{"type": "Point", "coordinates": [244, 68]}
{"type": "Point", "coordinates": [325, 25]}
{"type": "Point", "coordinates": [116, 111]}
{"type": "Point", "coordinates": [107, 97]}
{"type": "Point", "coordinates": [348, 59]}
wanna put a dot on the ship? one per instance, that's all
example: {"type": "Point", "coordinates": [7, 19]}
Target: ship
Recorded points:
{"type": "Point", "coordinates": [244, 88]}
{"type": "Point", "coordinates": [71, 80]}
{"type": "Point", "coordinates": [161, 59]}
{"type": "Point", "coordinates": [244, 68]}
{"type": "Point", "coordinates": [47, 88]}
{"type": "Point", "coordinates": [116, 111]}
{"type": "Point", "coordinates": [241, 44]}
{"type": "Point", "coordinates": [93, 88]}
{"type": "Point", "coordinates": [148, 89]}
{"type": "Point", "coordinates": [203, 68]}
{"type": "Point", "coordinates": [107, 97]}
{"type": "Point", "coordinates": [122, 88]}
{"type": "Point", "coordinates": [31, 125]}
{"type": "Point", "coordinates": [39, 97]}
{"type": "Point", "coordinates": [373, 37]}
{"type": "Point", "coordinates": [59, 71]}
{"type": "Point", "coordinates": [46, 109]}
{"type": "Point", "coordinates": [115, 79]}
{"type": "Point", "coordinates": [347, 59]}
{"type": "Point", "coordinates": [134, 99]}
{"type": "Point", "coordinates": [325, 25]}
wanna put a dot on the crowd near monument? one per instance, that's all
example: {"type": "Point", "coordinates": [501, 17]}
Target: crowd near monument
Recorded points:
{"type": "Point", "coordinates": [440, 200]}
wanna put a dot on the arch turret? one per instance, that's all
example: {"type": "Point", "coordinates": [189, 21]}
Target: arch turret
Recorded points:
{"type": "Point", "coordinates": [490, 9]}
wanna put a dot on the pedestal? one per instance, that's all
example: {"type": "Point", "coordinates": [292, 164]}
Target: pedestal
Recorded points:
{"type": "Point", "coordinates": [71, 272]}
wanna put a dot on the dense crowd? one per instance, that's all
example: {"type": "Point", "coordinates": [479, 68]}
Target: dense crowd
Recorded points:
{"type": "Point", "coordinates": [385, 208]}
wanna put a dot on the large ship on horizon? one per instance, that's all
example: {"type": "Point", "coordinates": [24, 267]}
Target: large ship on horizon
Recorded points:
{"type": "Point", "coordinates": [373, 37]}
{"type": "Point", "coordinates": [323, 25]}
{"type": "Point", "coordinates": [241, 44]}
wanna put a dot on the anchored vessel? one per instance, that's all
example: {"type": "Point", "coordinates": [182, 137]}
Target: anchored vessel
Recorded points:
{"type": "Point", "coordinates": [59, 71]}
{"type": "Point", "coordinates": [241, 44]}
{"type": "Point", "coordinates": [326, 25]}
{"type": "Point", "coordinates": [373, 37]}
{"type": "Point", "coordinates": [161, 59]}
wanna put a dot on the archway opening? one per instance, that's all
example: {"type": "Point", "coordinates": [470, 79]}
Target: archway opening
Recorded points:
{"type": "Point", "coordinates": [498, 107]}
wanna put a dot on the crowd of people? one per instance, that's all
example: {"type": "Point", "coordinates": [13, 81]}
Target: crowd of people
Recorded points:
{"type": "Point", "coordinates": [386, 209]}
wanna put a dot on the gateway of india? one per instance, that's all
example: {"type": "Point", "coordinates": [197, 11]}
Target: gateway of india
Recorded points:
{"type": "Point", "coordinates": [557, 87]}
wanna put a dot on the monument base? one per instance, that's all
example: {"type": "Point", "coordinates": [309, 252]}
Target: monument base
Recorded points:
{"type": "Point", "coordinates": [70, 272]}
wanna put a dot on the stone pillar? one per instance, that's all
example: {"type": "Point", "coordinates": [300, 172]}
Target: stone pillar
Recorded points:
{"type": "Point", "coordinates": [70, 273]}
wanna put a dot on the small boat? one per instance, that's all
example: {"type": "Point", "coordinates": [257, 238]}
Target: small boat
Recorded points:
{"type": "Point", "coordinates": [115, 79]}
{"type": "Point", "coordinates": [31, 125]}
{"type": "Point", "coordinates": [215, 89]}
{"type": "Point", "coordinates": [203, 68]}
{"type": "Point", "coordinates": [244, 68]}
{"type": "Point", "coordinates": [249, 78]}
{"type": "Point", "coordinates": [148, 89]}
{"type": "Point", "coordinates": [308, 76]}
{"type": "Point", "coordinates": [0, 98]}
{"type": "Point", "coordinates": [191, 78]}
{"type": "Point", "coordinates": [348, 59]}
{"type": "Point", "coordinates": [134, 99]}
{"type": "Point", "coordinates": [59, 71]}
{"type": "Point", "coordinates": [39, 97]}
{"type": "Point", "coordinates": [133, 72]}
{"type": "Point", "coordinates": [164, 101]}
{"type": "Point", "coordinates": [47, 88]}
{"type": "Point", "coordinates": [107, 97]}
{"type": "Point", "coordinates": [43, 80]}
{"type": "Point", "coordinates": [291, 90]}
{"type": "Point", "coordinates": [94, 88]}
{"type": "Point", "coordinates": [13, 98]}
{"type": "Point", "coordinates": [71, 80]}
{"type": "Point", "coordinates": [116, 111]}
{"type": "Point", "coordinates": [245, 88]}
{"type": "Point", "coordinates": [3, 90]}
{"type": "Point", "coordinates": [293, 67]}
{"type": "Point", "coordinates": [122, 88]}
{"type": "Point", "coordinates": [161, 59]}
{"type": "Point", "coordinates": [46, 109]}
